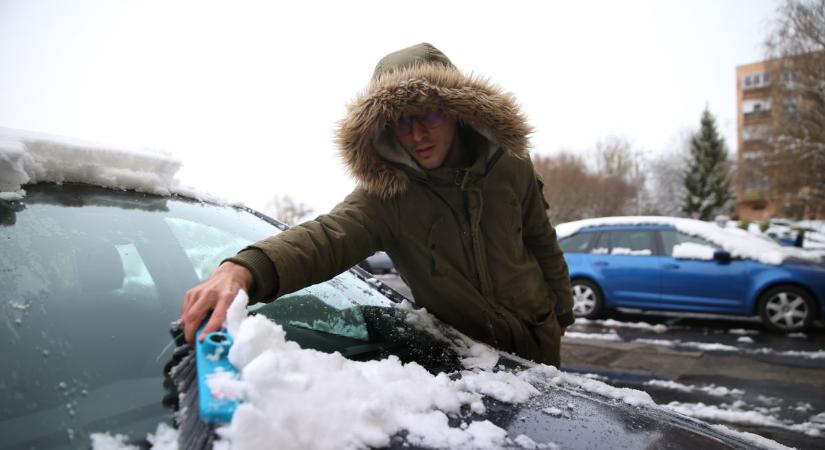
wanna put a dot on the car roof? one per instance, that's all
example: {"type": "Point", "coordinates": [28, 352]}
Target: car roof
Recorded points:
{"type": "Point", "coordinates": [738, 242]}
{"type": "Point", "coordinates": [28, 158]}
{"type": "Point", "coordinates": [594, 228]}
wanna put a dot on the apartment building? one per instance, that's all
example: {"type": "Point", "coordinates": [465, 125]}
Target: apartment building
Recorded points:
{"type": "Point", "coordinates": [760, 105]}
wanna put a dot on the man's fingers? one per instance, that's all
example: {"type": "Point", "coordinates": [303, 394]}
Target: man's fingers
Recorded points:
{"type": "Point", "coordinates": [196, 306]}
{"type": "Point", "coordinates": [215, 322]}
{"type": "Point", "coordinates": [191, 320]}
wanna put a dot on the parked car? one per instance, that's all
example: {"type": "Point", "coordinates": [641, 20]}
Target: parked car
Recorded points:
{"type": "Point", "coordinates": [379, 263]}
{"type": "Point", "coordinates": [671, 264]}
{"type": "Point", "coordinates": [92, 276]}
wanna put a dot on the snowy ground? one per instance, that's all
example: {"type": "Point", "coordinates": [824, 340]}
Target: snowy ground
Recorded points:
{"type": "Point", "coordinates": [716, 369]}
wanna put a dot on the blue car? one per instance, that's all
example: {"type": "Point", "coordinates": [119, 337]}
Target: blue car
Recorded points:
{"type": "Point", "coordinates": [672, 264]}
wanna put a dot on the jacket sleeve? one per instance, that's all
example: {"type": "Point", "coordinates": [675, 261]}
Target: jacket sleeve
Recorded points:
{"type": "Point", "coordinates": [540, 238]}
{"type": "Point", "coordinates": [317, 250]}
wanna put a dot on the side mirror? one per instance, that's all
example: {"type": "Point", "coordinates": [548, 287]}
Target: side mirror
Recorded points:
{"type": "Point", "coordinates": [722, 257]}
{"type": "Point", "coordinates": [800, 239]}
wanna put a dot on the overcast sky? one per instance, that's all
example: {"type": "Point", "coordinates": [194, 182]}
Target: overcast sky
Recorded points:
{"type": "Point", "coordinates": [247, 94]}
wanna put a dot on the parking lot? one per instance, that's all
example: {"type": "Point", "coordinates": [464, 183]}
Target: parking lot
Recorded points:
{"type": "Point", "coordinates": [723, 371]}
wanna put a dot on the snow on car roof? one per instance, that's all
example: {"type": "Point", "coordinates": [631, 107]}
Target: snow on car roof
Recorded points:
{"type": "Point", "coordinates": [737, 242]}
{"type": "Point", "coordinates": [28, 157]}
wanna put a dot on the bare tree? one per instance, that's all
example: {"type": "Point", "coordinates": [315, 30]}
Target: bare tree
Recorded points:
{"type": "Point", "coordinates": [665, 187]}
{"type": "Point", "coordinates": [287, 210]}
{"type": "Point", "coordinates": [615, 158]}
{"type": "Point", "coordinates": [795, 161]}
{"type": "Point", "coordinates": [574, 192]}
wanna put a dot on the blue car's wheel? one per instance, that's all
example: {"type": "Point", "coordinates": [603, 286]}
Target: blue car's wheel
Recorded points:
{"type": "Point", "coordinates": [587, 299]}
{"type": "Point", "coordinates": [787, 309]}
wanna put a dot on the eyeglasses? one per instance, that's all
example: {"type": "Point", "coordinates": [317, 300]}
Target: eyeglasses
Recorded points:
{"type": "Point", "coordinates": [430, 120]}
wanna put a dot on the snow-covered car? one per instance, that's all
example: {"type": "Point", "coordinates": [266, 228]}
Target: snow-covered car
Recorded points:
{"type": "Point", "coordinates": [98, 246]}
{"type": "Point", "coordinates": [684, 265]}
{"type": "Point", "coordinates": [379, 263]}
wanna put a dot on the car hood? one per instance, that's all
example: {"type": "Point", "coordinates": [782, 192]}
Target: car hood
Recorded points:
{"type": "Point", "coordinates": [574, 418]}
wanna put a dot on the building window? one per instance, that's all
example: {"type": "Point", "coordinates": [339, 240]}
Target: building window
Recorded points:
{"type": "Point", "coordinates": [756, 132]}
{"type": "Point", "coordinates": [755, 106]}
{"type": "Point", "coordinates": [757, 80]}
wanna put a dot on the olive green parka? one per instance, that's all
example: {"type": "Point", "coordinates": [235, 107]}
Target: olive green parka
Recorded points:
{"type": "Point", "coordinates": [474, 244]}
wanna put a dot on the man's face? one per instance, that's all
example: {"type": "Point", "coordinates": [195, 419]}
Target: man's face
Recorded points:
{"type": "Point", "coordinates": [427, 138]}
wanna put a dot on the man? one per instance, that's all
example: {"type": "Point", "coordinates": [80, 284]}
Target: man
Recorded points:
{"type": "Point", "coordinates": [446, 187]}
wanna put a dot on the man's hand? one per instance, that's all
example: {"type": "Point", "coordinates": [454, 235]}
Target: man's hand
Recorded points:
{"type": "Point", "coordinates": [215, 294]}
{"type": "Point", "coordinates": [563, 330]}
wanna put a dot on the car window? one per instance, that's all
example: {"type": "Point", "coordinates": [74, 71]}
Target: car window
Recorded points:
{"type": "Point", "coordinates": [672, 238]}
{"type": "Point", "coordinates": [576, 244]}
{"type": "Point", "coordinates": [205, 245]}
{"type": "Point", "coordinates": [602, 246]}
{"type": "Point", "coordinates": [332, 307]}
{"type": "Point", "coordinates": [627, 242]}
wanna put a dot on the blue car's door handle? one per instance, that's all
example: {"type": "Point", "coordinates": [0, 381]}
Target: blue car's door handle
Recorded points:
{"type": "Point", "coordinates": [600, 263]}
{"type": "Point", "coordinates": [670, 266]}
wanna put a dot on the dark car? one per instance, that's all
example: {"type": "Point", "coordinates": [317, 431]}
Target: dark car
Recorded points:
{"type": "Point", "coordinates": [92, 277]}
{"type": "Point", "coordinates": [379, 263]}
{"type": "Point", "coordinates": [684, 265]}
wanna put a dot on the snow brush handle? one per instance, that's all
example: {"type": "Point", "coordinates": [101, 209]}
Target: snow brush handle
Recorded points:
{"type": "Point", "coordinates": [211, 359]}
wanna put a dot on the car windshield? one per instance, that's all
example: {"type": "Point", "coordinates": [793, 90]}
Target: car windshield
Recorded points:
{"type": "Point", "coordinates": [92, 279]}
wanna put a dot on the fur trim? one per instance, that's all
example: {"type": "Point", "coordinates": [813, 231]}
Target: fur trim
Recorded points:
{"type": "Point", "coordinates": [473, 100]}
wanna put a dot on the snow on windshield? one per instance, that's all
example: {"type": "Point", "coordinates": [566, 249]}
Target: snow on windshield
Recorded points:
{"type": "Point", "coordinates": [27, 157]}
{"type": "Point", "coordinates": [738, 242]}
{"type": "Point", "coordinates": [295, 398]}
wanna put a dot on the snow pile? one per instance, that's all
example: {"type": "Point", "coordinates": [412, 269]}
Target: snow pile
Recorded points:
{"type": "Point", "coordinates": [738, 242]}
{"type": "Point", "coordinates": [593, 336]}
{"type": "Point", "coordinates": [164, 438]}
{"type": "Point", "coordinates": [725, 413]}
{"type": "Point", "coordinates": [295, 398]}
{"type": "Point", "coordinates": [692, 250]}
{"type": "Point", "coordinates": [755, 439]}
{"type": "Point", "coordinates": [629, 252]}
{"type": "Point", "coordinates": [736, 413]}
{"type": "Point", "coordinates": [613, 323]}
{"type": "Point", "coordinates": [716, 391]}
{"type": "Point", "coordinates": [743, 332]}
{"type": "Point", "coordinates": [788, 231]}
{"type": "Point", "coordinates": [28, 158]}
{"type": "Point", "coordinates": [715, 347]}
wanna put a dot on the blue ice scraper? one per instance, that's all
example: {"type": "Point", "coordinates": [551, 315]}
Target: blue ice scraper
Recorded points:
{"type": "Point", "coordinates": [197, 411]}
{"type": "Point", "coordinates": [211, 358]}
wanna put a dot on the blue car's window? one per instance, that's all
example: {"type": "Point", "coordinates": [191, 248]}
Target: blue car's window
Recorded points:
{"type": "Point", "coordinates": [602, 246]}
{"type": "Point", "coordinates": [626, 242]}
{"type": "Point", "coordinates": [576, 244]}
{"type": "Point", "coordinates": [672, 238]}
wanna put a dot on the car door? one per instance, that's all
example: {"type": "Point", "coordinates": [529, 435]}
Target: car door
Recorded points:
{"type": "Point", "coordinates": [695, 282]}
{"type": "Point", "coordinates": [627, 266]}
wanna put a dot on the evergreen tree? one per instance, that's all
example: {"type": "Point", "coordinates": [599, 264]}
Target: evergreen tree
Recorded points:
{"type": "Point", "coordinates": [707, 180]}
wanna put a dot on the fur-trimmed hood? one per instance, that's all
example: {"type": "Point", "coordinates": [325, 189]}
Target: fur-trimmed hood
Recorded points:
{"type": "Point", "coordinates": [414, 79]}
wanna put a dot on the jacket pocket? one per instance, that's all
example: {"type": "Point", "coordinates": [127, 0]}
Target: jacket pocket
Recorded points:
{"type": "Point", "coordinates": [540, 318]}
